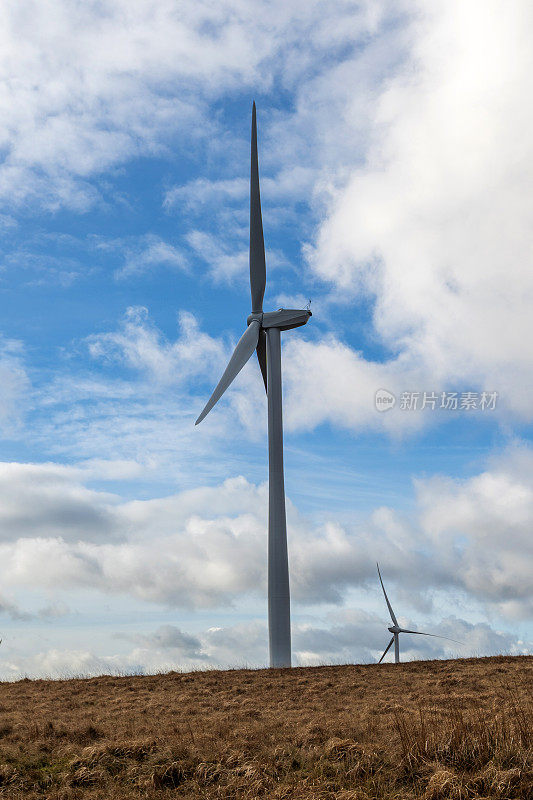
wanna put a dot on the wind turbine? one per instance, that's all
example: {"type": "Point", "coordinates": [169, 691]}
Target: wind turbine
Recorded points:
{"type": "Point", "coordinates": [396, 630]}
{"type": "Point", "coordinates": [263, 336]}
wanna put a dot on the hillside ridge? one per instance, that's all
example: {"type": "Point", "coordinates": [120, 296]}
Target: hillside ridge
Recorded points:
{"type": "Point", "coordinates": [433, 729]}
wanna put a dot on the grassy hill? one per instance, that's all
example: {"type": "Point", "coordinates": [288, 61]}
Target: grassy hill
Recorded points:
{"type": "Point", "coordinates": [437, 729]}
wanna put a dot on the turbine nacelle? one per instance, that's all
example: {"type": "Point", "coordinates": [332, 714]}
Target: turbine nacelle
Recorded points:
{"type": "Point", "coordinates": [283, 318]}
{"type": "Point", "coordinates": [394, 629]}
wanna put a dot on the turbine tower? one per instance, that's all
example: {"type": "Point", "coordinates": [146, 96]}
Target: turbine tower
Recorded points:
{"type": "Point", "coordinates": [263, 336]}
{"type": "Point", "coordinates": [396, 630]}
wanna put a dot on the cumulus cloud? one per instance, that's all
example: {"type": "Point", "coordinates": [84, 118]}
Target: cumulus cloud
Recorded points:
{"type": "Point", "coordinates": [12, 610]}
{"type": "Point", "coordinates": [328, 381]}
{"type": "Point", "coordinates": [169, 637]}
{"type": "Point", "coordinates": [495, 509]}
{"type": "Point", "coordinates": [15, 612]}
{"type": "Point", "coordinates": [417, 175]}
{"type": "Point", "coordinates": [353, 637]}
{"type": "Point", "coordinates": [46, 500]}
{"type": "Point", "coordinates": [182, 558]}
{"type": "Point", "coordinates": [434, 226]}
{"type": "Point", "coordinates": [205, 548]}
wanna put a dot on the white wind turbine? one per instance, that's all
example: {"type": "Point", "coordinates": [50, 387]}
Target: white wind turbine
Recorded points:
{"type": "Point", "coordinates": [262, 336]}
{"type": "Point", "coordinates": [396, 630]}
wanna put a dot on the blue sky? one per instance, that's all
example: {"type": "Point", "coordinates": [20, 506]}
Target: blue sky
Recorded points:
{"type": "Point", "coordinates": [395, 158]}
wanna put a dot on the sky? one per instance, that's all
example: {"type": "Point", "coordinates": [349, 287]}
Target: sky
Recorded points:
{"type": "Point", "coordinates": [396, 164]}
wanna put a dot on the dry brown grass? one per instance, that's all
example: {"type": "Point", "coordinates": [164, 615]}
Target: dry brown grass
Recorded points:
{"type": "Point", "coordinates": [432, 730]}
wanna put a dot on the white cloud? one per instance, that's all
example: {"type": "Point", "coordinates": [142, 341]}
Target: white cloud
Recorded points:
{"type": "Point", "coordinates": [482, 528]}
{"type": "Point", "coordinates": [62, 664]}
{"type": "Point", "coordinates": [200, 191]}
{"type": "Point", "coordinates": [189, 560]}
{"type": "Point", "coordinates": [140, 345]}
{"type": "Point", "coordinates": [324, 380]}
{"type": "Point", "coordinates": [290, 184]}
{"type": "Point", "coordinates": [90, 86]}
{"type": "Point", "coordinates": [46, 500]}
{"type": "Point", "coordinates": [328, 381]}
{"type": "Point", "coordinates": [204, 548]}
{"type": "Point", "coordinates": [12, 609]}
{"type": "Point", "coordinates": [169, 637]}
{"type": "Point", "coordinates": [139, 403]}
{"type": "Point", "coordinates": [151, 252]}
{"type": "Point", "coordinates": [414, 147]}
{"type": "Point", "coordinates": [352, 637]}
{"type": "Point", "coordinates": [224, 261]}
{"type": "Point", "coordinates": [435, 224]}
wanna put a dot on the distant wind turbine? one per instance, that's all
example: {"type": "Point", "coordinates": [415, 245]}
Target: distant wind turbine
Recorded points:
{"type": "Point", "coordinates": [263, 336]}
{"type": "Point", "coordinates": [396, 630]}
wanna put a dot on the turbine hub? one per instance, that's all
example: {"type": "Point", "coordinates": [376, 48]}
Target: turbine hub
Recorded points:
{"type": "Point", "coordinates": [258, 315]}
{"type": "Point", "coordinates": [394, 629]}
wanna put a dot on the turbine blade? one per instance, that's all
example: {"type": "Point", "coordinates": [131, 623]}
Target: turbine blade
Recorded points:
{"type": "Point", "coordinates": [435, 635]}
{"type": "Point", "coordinates": [245, 347]}
{"type": "Point", "coordinates": [257, 244]}
{"type": "Point", "coordinates": [386, 650]}
{"type": "Point", "coordinates": [420, 633]}
{"type": "Point", "coordinates": [394, 620]}
{"type": "Point", "coordinates": [262, 356]}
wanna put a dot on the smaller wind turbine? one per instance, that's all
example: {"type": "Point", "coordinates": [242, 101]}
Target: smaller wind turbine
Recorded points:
{"type": "Point", "coordinates": [396, 630]}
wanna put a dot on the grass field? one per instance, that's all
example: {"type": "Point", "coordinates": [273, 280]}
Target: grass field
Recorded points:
{"type": "Point", "coordinates": [435, 729]}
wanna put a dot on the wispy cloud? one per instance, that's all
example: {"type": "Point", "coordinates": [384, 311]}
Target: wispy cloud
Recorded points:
{"type": "Point", "coordinates": [139, 76]}
{"type": "Point", "coordinates": [196, 194]}
{"type": "Point", "coordinates": [14, 385]}
{"type": "Point", "coordinates": [224, 262]}
{"type": "Point", "coordinates": [151, 252]}
{"type": "Point", "coordinates": [140, 345]}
